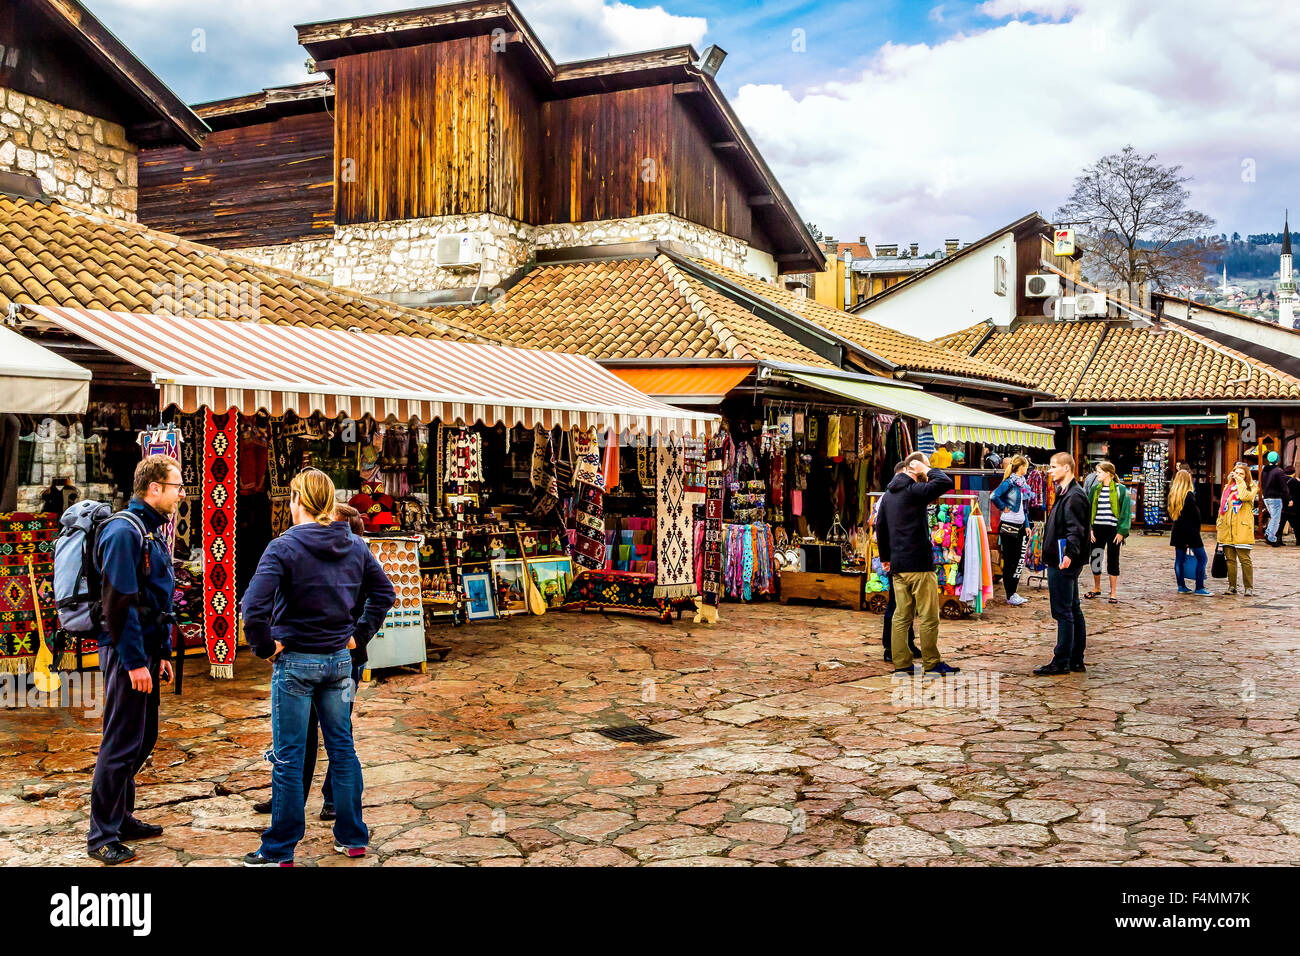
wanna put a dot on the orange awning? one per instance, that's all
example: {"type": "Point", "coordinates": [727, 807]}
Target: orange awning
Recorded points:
{"type": "Point", "coordinates": [695, 385]}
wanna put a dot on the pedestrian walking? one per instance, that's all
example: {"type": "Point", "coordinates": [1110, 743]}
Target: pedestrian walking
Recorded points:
{"type": "Point", "coordinates": [887, 634]}
{"type": "Point", "coordinates": [1013, 498]}
{"type": "Point", "coordinates": [1235, 526]}
{"type": "Point", "coordinates": [298, 612]}
{"type": "Point", "coordinates": [1185, 535]}
{"type": "Point", "coordinates": [135, 644]}
{"type": "Point", "coordinates": [1111, 518]}
{"type": "Point", "coordinates": [903, 536]}
{"type": "Point", "coordinates": [357, 525]}
{"type": "Point", "coordinates": [1065, 546]}
{"type": "Point", "coordinates": [1292, 512]}
{"type": "Point", "coordinates": [1273, 488]}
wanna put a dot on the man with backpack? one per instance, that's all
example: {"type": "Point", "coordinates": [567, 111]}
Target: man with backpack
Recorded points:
{"type": "Point", "coordinates": [135, 623]}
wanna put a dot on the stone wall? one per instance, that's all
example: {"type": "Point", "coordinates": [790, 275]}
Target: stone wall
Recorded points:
{"type": "Point", "coordinates": [384, 258]}
{"type": "Point", "coordinates": [78, 158]}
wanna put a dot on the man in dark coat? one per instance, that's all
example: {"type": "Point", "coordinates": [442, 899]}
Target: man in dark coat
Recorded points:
{"type": "Point", "coordinates": [1065, 552]}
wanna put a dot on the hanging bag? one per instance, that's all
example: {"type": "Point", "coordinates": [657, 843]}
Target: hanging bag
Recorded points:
{"type": "Point", "coordinates": [1219, 566]}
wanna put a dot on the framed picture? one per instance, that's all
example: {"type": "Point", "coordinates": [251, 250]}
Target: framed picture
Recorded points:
{"type": "Point", "coordinates": [554, 575]}
{"type": "Point", "coordinates": [510, 573]}
{"type": "Point", "coordinates": [480, 596]}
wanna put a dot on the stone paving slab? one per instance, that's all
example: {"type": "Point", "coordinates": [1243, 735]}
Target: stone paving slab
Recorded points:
{"type": "Point", "coordinates": [791, 745]}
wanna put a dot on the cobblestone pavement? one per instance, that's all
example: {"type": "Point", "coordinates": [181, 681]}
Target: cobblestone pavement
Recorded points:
{"type": "Point", "coordinates": [1181, 745]}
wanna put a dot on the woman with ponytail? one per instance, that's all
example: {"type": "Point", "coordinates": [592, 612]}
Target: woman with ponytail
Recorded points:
{"type": "Point", "coordinates": [299, 613]}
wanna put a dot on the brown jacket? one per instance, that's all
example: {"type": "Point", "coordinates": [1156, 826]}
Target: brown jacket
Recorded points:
{"type": "Point", "coordinates": [1238, 530]}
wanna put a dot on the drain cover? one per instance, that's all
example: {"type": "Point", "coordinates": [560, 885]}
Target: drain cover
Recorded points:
{"type": "Point", "coordinates": [635, 734]}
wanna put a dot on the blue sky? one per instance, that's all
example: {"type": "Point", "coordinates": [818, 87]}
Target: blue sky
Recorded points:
{"type": "Point", "coordinates": [896, 120]}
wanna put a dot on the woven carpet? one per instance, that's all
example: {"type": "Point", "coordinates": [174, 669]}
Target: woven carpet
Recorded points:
{"type": "Point", "coordinates": [166, 441]}
{"type": "Point", "coordinates": [220, 480]}
{"type": "Point", "coordinates": [674, 568]}
{"type": "Point", "coordinates": [589, 525]}
{"type": "Point", "coordinates": [23, 535]}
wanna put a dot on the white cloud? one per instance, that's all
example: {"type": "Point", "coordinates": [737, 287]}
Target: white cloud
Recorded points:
{"type": "Point", "coordinates": [252, 43]}
{"type": "Point", "coordinates": [958, 138]}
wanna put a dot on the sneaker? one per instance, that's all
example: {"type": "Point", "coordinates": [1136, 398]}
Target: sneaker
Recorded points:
{"type": "Point", "coordinates": [354, 852]}
{"type": "Point", "coordinates": [1250, 592]}
{"type": "Point", "coordinates": [1016, 600]}
{"type": "Point", "coordinates": [1183, 590]}
{"type": "Point", "coordinates": [111, 854]}
{"type": "Point", "coordinates": [1204, 592]}
{"type": "Point", "coordinates": [256, 859]}
{"type": "Point", "coordinates": [942, 669]}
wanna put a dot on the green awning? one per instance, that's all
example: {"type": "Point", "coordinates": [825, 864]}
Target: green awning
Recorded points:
{"type": "Point", "coordinates": [950, 421]}
{"type": "Point", "coordinates": [1104, 420]}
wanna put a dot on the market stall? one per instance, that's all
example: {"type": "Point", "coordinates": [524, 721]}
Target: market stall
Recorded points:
{"type": "Point", "coordinates": [480, 457]}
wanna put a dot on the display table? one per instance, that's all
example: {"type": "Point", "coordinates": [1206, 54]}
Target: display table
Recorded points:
{"type": "Point", "coordinates": [611, 590]}
{"type": "Point", "coordinates": [848, 589]}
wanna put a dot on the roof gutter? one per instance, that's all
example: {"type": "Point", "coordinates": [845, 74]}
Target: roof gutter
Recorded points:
{"type": "Point", "coordinates": [976, 383]}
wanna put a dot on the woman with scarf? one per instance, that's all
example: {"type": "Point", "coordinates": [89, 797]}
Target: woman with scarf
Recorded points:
{"type": "Point", "coordinates": [1013, 497]}
{"type": "Point", "coordinates": [1235, 526]}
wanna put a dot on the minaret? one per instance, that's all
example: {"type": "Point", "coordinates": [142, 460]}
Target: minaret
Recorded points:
{"type": "Point", "coordinates": [1285, 282]}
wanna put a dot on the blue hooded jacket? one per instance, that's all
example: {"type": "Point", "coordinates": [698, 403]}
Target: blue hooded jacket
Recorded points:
{"type": "Point", "coordinates": [131, 625]}
{"type": "Point", "coordinates": [305, 589]}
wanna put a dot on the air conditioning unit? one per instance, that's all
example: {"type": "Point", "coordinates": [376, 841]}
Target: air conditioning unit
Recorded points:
{"type": "Point", "coordinates": [1065, 309]}
{"type": "Point", "coordinates": [459, 251]}
{"type": "Point", "coordinates": [1042, 286]}
{"type": "Point", "coordinates": [1090, 303]}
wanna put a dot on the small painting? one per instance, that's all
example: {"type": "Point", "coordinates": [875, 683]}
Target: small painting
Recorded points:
{"type": "Point", "coordinates": [481, 596]}
{"type": "Point", "coordinates": [509, 577]}
{"type": "Point", "coordinates": [553, 575]}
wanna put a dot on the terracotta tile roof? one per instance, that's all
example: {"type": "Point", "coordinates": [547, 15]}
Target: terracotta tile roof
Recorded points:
{"type": "Point", "coordinates": [965, 340]}
{"type": "Point", "coordinates": [629, 308]}
{"type": "Point", "coordinates": [58, 255]}
{"type": "Point", "coordinates": [1091, 361]}
{"type": "Point", "coordinates": [899, 348]}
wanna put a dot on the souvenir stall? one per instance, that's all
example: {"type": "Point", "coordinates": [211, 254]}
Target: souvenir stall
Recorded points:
{"type": "Point", "coordinates": [413, 431]}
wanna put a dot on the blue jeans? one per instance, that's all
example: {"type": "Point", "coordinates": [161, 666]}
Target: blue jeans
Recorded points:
{"type": "Point", "coordinates": [313, 745]}
{"type": "Point", "coordinates": [1071, 631]}
{"type": "Point", "coordinates": [1274, 506]}
{"type": "Point", "coordinates": [1190, 561]}
{"type": "Point", "coordinates": [300, 682]}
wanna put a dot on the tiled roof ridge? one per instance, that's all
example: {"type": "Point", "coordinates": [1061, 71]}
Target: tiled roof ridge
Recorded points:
{"type": "Point", "coordinates": [199, 249]}
{"type": "Point", "coordinates": [1261, 366]}
{"type": "Point", "coordinates": [712, 321]}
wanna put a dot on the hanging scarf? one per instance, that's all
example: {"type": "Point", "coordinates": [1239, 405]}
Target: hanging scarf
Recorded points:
{"type": "Point", "coordinates": [586, 457]}
{"type": "Point", "coordinates": [609, 473]}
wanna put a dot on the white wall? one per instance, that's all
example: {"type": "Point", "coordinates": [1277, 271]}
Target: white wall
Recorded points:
{"type": "Point", "coordinates": [954, 297]}
{"type": "Point", "coordinates": [1270, 336]}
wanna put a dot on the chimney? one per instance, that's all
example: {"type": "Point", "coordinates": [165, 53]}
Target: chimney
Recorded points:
{"type": "Point", "coordinates": [887, 251]}
{"type": "Point", "coordinates": [914, 249]}
{"type": "Point", "coordinates": [830, 246]}
{"type": "Point", "coordinates": [950, 246]}
{"type": "Point", "coordinates": [862, 240]}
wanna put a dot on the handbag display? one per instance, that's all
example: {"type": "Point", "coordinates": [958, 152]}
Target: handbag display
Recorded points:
{"type": "Point", "coordinates": [1219, 566]}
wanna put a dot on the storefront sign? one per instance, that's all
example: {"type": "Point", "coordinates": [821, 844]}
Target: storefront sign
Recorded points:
{"type": "Point", "coordinates": [1128, 426]}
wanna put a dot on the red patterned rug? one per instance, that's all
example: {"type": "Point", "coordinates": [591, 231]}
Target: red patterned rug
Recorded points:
{"type": "Point", "coordinates": [220, 480]}
{"type": "Point", "coordinates": [23, 535]}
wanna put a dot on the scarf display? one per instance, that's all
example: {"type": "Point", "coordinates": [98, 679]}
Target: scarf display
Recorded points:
{"type": "Point", "coordinates": [368, 463]}
{"type": "Point", "coordinates": [220, 484]}
{"type": "Point", "coordinates": [165, 441]}
{"type": "Point", "coordinates": [674, 567]}
{"type": "Point", "coordinates": [25, 535]}
{"type": "Point", "coordinates": [586, 457]}
{"type": "Point", "coordinates": [589, 527]}
{"type": "Point", "coordinates": [645, 463]}
{"type": "Point", "coordinates": [464, 451]}
{"type": "Point", "coordinates": [747, 560]}
{"type": "Point", "coordinates": [609, 471]}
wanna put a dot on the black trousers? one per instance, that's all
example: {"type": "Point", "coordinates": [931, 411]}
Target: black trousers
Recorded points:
{"type": "Point", "coordinates": [1071, 628]}
{"type": "Point", "coordinates": [130, 732]}
{"type": "Point", "coordinates": [887, 638]}
{"type": "Point", "coordinates": [1011, 542]}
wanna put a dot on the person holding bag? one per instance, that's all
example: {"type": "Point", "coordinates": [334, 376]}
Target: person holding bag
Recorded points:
{"type": "Point", "coordinates": [1235, 527]}
{"type": "Point", "coordinates": [1013, 497]}
{"type": "Point", "coordinates": [1185, 537]}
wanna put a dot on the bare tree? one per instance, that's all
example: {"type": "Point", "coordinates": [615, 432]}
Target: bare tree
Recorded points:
{"type": "Point", "coordinates": [1136, 225]}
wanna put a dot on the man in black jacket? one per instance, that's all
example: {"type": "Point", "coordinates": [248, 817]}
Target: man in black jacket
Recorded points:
{"type": "Point", "coordinates": [1291, 515]}
{"type": "Point", "coordinates": [903, 535]}
{"type": "Point", "coordinates": [1065, 552]}
{"type": "Point", "coordinates": [1272, 488]}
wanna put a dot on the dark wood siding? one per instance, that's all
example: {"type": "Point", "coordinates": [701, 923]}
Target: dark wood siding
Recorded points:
{"type": "Point", "coordinates": [248, 186]}
{"type": "Point", "coordinates": [440, 129]}
{"type": "Point", "coordinates": [706, 190]}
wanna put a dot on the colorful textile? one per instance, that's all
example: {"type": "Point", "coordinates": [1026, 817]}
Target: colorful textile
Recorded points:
{"type": "Point", "coordinates": [165, 441]}
{"type": "Point", "coordinates": [710, 567]}
{"type": "Point", "coordinates": [281, 519]}
{"type": "Point", "coordinates": [675, 571]}
{"type": "Point", "coordinates": [645, 463]}
{"type": "Point", "coordinates": [610, 590]}
{"type": "Point", "coordinates": [191, 428]}
{"type": "Point", "coordinates": [280, 464]}
{"type": "Point", "coordinates": [464, 452]}
{"type": "Point", "coordinates": [609, 472]}
{"type": "Point", "coordinates": [24, 535]}
{"type": "Point", "coordinates": [586, 457]}
{"type": "Point", "coordinates": [589, 527]}
{"type": "Point", "coordinates": [220, 492]}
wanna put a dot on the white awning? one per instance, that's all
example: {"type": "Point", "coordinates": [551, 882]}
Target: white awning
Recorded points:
{"type": "Point", "coordinates": [36, 381]}
{"type": "Point", "coordinates": [951, 422]}
{"type": "Point", "coordinates": [252, 366]}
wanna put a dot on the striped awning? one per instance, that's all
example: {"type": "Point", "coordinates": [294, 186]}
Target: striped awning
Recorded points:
{"type": "Point", "coordinates": [254, 367]}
